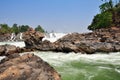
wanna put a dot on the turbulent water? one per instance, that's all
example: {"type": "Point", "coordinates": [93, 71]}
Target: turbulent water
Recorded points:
{"type": "Point", "coordinates": [84, 67]}
{"type": "Point", "coordinates": [18, 44]}
{"type": "Point", "coordinates": [73, 66]}
{"type": "Point", "coordinates": [52, 37]}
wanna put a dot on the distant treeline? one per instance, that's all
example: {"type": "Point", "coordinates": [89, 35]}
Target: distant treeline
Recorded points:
{"type": "Point", "coordinates": [4, 28]}
{"type": "Point", "coordinates": [109, 15]}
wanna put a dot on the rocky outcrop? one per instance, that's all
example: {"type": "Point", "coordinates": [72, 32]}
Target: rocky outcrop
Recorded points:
{"type": "Point", "coordinates": [102, 40]}
{"type": "Point", "coordinates": [32, 38]}
{"type": "Point", "coordinates": [8, 49]}
{"type": "Point", "coordinates": [26, 67]}
{"type": "Point", "coordinates": [4, 37]}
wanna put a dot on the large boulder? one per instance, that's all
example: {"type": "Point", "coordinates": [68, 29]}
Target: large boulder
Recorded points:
{"type": "Point", "coordinates": [45, 46]}
{"type": "Point", "coordinates": [68, 43]}
{"type": "Point", "coordinates": [102, 40]}
{"type": "Point", "coordinates": [32, 38]}
{"type": "Point", "coordinates": [26, 67]}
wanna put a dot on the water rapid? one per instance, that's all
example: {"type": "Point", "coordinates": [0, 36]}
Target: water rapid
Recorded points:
{"type": "Point", "coordinates": [79, 66]}
{"type": "Point", "coordinates": [83, 66]}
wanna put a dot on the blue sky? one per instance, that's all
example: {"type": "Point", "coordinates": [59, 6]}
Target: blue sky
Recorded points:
{"type": "Point", "coordinates": [57, 15]}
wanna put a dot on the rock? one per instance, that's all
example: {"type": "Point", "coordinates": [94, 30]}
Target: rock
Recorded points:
{"type": "Point", "coordinates": [101, 40]}
{"type": "Point", "coordinates": [32, 38]}
{"type": "Point", "coordinates": [8, 49]}
{"type": "Point", "coordinates": [4, 37]}
{"type": "Point", "coordinates": [27, 67]}
{"type": "Point", "coordinates": [45, 46]}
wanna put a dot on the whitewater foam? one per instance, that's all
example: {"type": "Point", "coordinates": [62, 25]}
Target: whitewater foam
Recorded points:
{"type": "Point", "coordinates": [2, 57]}
{"type": "Point", "coordinates": [52, 37]}
{"type": "Point", "coordinates": [17, 44]}
{"type": "Point", "coordinates": [61, 58]}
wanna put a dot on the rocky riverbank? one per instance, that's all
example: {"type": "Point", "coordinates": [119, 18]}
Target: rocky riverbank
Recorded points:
{"type": "Point", "coordinates": [27, 66]}
{"type": "Point", "coordinates": [31, 67]}
{"type": "Point", "coordinates": [101, 40]}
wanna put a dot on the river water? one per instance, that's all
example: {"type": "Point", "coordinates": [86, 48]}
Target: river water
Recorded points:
{"type": "Point", "coordinates": [79, 66]}
{"type": "Point", "coordinates": [84, 67]}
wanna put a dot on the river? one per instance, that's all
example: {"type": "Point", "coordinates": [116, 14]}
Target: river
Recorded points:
{"type": "Point", "coordinates": [71, 66]}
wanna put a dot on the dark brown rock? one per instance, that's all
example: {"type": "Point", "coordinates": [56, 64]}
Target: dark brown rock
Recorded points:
{"type": "Point", "coordinates": [27, 67]}
{"type": "Point", "coordinates": [8, 49]}
{"type": "Point", "coordinates": [32, 38]}
{"type": "Point", "coordinates": [101, 40]}
{"type": "Point", "coordinates": [4, 37]}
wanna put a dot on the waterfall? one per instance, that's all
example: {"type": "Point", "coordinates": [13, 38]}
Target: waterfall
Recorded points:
{"type": "Point", "coordinates": [21, 35]}
{"type": "Point", "coordinates": [17, 37]}
{"type": "Point", "coordinates": [52, 37]}
{"type": "Point", "coordinates": [12, 38]}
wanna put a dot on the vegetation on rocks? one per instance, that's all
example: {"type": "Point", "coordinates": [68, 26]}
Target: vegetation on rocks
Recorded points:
{"type": "Point", "coordinates": [109, 16]}
{"type": "Point", "coordinates": [39, 28]}
{"type": "Point", "coordinates": [5, 28]}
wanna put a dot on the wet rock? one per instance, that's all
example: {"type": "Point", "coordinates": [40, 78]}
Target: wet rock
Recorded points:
{"type": "Point", "coordinates": [27, 67]}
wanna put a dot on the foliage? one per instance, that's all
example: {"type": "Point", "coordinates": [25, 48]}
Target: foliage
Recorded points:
{"type": "Point", "coordinates": [106, 6]}
{"type": "Point", "coordinates": [101, 21]}
{"type": "Point", "coordinates": [15, 29]}
{"type": "Point", "coordinates": [108, 17]}
{"type": "Point", "coordinates": [4, 28]}
{"type": "Point", "coordinates": [24, 28]}
{"type": "Point", "coordinates": [39, 28]}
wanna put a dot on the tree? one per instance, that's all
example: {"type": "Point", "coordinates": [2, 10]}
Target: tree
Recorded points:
{"type": "Point", "coordinates": [39, 28]}
{"type": "Point", "coordinates": [15, 29]}
{"type": "Point", "coordinates": [106, 6]}
{"type": "Point", "coordinates": [24, 28]}
{"type": "Point", "coordinates": [108, 17]}
{"type": "Point", "coordinates": [4, 28]}
{"type": "Point", "coordinates": [103, 20]}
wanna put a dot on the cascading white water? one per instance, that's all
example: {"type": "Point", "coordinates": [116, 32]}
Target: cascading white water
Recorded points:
{"type": "Point", "coordinates": [12, 38]}
{"type": "Point", "coordinates": [17, 37]}
{"type": "Point", "coordinates": [17, 44]}
{"type": "Point", "coordinates": [52, 37]}
{"type": "Point", "coordinates": [21, 35]}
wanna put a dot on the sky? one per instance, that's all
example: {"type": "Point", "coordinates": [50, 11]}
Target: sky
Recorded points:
{"type": "Point", "coordinates": [52, 15]}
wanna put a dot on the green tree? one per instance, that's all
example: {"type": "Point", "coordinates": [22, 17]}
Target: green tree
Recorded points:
{"type": "Point", "coordinates": [24, 28]}
{"type": "Point", "coordinates": [4, 28]}
{"type": "Point", "coordinates": [103, 20]}
{"type": "Point", "coordinates": [39, 28]}
{"type": "Point", "coordinates": [15, 29]}
{"type": "Point", "coordinates": [108, 17]}
{"type": "Point", "coordinates": [106, 6]}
